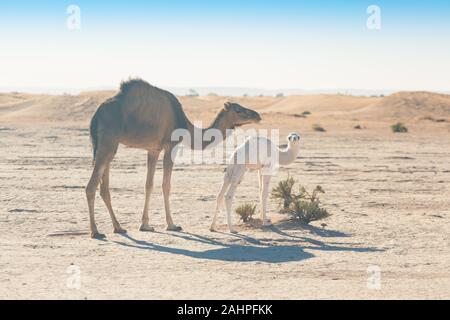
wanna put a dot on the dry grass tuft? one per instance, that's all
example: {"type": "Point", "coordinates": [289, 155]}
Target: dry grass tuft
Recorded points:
{"type": "Point", "coordinates": [246, 211]}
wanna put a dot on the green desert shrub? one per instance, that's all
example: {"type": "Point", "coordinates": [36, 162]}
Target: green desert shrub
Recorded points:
{"type": "Point", "coordinates": [303, 206]}
{"type": "Point", "coordinates": [318, 128]}
{"type": "Point", "coordinates": [399, 128]}
{"type": "Point", "coordinates": [304, 114]}
{"type": "Point", "coordinates": [246, 211]}
{"type": "Point", "coordinates": [192, 93]}
{"type": "Point", "coordinates": [306, 206]}
{"type": "Point", "coordinates": [284, 191]}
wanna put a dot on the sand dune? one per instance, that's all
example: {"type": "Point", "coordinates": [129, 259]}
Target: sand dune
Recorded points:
{"type": "Point", "coordinates": [21, 107]}
{"type": "Point", "coordinates": [409, 105]}
{"type": "Point", "coordinates": [73, 108]}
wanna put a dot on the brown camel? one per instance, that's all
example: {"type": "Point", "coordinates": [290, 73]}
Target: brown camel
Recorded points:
{"type": "Point", "coordinates": [142, 116]}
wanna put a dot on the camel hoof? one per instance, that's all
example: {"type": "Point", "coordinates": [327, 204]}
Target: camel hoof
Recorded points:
{"type": "Point", "coordinates": [146, 228]}
{"type": "Point", "coordinates": [120, 230]}
{"type": "Point", "coordinates": [233, 231]}
{"type": "Point", "coordinates": [174, 228]}
{"type": "Point", "coordinates": [267, 223]}
{"type": "Point", "coordinates": [212, 229]}
{"type": "Point", "coordinates": [98, 236]}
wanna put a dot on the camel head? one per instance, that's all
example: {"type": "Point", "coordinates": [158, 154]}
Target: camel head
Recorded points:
{"type": "Point", "coordinates": [238, 116]}
{"type": "Point", "coordinates": [293, 138]}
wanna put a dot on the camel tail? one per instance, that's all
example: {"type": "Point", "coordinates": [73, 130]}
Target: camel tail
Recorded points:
{"type": "Point", "coordinates": [93, 134]}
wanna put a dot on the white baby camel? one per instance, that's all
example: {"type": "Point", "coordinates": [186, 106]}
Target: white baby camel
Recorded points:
{"type": "Point", "coordinates": [246, 156]}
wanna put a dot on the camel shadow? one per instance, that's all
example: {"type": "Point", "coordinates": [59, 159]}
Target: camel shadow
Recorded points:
{"type": "Point", "coordinates": [226, 252]}
{"type": "Point", "coordinates": [255, 251]}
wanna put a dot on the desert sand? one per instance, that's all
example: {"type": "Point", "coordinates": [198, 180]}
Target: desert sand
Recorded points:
{"type": "Point", "coordinates": [389, 195]}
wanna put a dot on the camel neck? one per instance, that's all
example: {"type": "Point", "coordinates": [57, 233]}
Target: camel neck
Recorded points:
{"type": "Point", "coordinates": [288, 156]}
{"type": "Point", "coordinates": [207, 135]}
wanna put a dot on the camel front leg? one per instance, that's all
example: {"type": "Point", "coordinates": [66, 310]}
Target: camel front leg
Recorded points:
{"type": "Point", "coordinates": [235, 176]}
{"type": "Point", "coordinates": [168, 166]}
{"type": "Point", "coordinates": [229, 203]}
{"type": "Point", "coordinates": [151, 166]}
{"type": "Point", "coordinates": [264, 197]}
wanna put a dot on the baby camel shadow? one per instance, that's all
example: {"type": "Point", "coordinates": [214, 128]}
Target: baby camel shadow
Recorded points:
{"type": "Point", "coordinates": [226, 252]}
{"type": "Point", "coordinates": [295, 225]}
{"type": "Point", "coordinates": [301, 242]}
{"type": "Point", "coordinates": [322, 246]}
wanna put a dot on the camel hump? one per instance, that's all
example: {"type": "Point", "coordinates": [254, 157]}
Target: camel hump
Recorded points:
{"type": "Point", "coordinates": [142, 98]}
{"type": "Point", "coordinates": [140, 90]}
{"type": "Point", "coordinates": [131, 85]}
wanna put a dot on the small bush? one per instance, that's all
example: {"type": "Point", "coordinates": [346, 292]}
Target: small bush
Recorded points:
{"type": "Point", "coordinates": [192, 93]}
{"type": "Point", "coordinates": [246, 211]}
{"type": "Point", "coordinates": [440, 120]}
{"type": "Point", "coordinates": [304, 114]}
{"type": "Point", "coordinates": [280, 95]}
{"type": "Point", "coordinates": [284, 191]}
{"type": "Point", "coordinates": [318, 128]}
{"type": "Point", "coordinates": [399, 128]}
{"type": "Point", "coordinates": [303, 206]}
{"type": "Point", "coordinates": [358, 127]}
{"type": "Point", "coordinates": [306, 206]}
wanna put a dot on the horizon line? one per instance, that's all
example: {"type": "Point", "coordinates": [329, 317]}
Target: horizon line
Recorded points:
{"type": "Point", "coordinates": [226, 90]}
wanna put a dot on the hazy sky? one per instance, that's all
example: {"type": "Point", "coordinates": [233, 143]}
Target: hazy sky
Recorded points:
{"type": "Point", "coordinates": [267, 44]}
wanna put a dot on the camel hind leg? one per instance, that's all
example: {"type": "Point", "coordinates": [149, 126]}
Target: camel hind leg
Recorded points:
{"type": "Point", "coordinates": [260, 183]}
{"type": "Point", "coordinates": [167, 175]}
{"type": "Point", "coordinates": [104, 156]}
{"type": "Point", "coordinates": [235, 176]}
{"type": "Point", "coordinates": [106, 196]}
{"type": "Point", "coordinates": [151, 166]}
{"type": "Point", "coordinates": [220, 200]}
{"type": "Point", "coordinates": [264, 196]}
